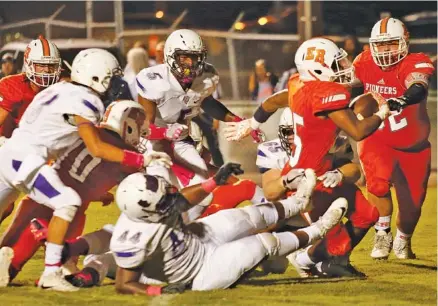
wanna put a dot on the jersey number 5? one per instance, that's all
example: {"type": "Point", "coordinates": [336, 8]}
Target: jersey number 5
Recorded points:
{"type": "Point", "coordinates": [298, 120]}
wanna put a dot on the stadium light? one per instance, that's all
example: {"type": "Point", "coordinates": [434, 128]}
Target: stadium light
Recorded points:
{"type": "Point", "coordinates": [239, 26]}
{"type": "Point", "coordinates": [262, 21]}
{"type": "Point", "coordinates": [159, 14]}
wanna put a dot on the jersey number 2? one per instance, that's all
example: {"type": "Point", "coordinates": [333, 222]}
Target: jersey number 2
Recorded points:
{"type": "Point", "coordinates": [395, 124]}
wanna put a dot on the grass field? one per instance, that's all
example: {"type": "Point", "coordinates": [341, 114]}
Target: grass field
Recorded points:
{"type": "Point", "coordinates": [392, 282]}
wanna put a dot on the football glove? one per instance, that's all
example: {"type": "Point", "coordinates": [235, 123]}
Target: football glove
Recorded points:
{"type": "Point", "coordinates": [176, 132]}
{"type": "Point", "coordinates": [222, 175]}
{"type": "Point", "coordinates": [331, 179]}
{"type": "Point", "coordinates": [397, 104]}
{"type": "Point", "coordinates": [292, 178]}
{"type": "Point", "coordinates": [152, 158]}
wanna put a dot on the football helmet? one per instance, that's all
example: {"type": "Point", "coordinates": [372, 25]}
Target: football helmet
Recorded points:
{"type": "Point", "coordinates": [126, 118]}
{"type": "Point", "coordinates": [187, 43]}
{"type": "Point", "coordinates": [42, 62]}
{"type": "Point", "coordinates": [145, 197]}
{"type": "Point", "coordinates": [286, 131]}
{"type": "Point", "coordinates": [321, 59]}
{"type": "Point", "coordinates": [387, 31]}
{"type": "Point", "coordinates": [94, 68]}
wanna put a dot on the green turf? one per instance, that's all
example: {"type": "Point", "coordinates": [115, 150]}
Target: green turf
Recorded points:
{"type": "Point", "coordinates": [392, 282]}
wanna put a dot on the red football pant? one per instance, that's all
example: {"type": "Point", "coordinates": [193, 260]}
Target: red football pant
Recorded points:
{"type": "Point", "coordinates": [407, 171]}
{"type": "Point", "coordinates": [19, 237]}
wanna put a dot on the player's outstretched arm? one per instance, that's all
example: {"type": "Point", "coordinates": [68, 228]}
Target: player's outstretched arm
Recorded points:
{"type": "Point", "coordinates": [150, 108]}
{"type": "Point", "coordinates": [238, 130]}
{"type": "Point", "coordinates": [98, 148]}
{"type": "Point", "coordinates": [127, 283]}
{"type": "Point", "coordinates": [197, 193]}
{"type": "Point", "coordinates": [217, 110]}
{"type": "Point", "coordinates": [357, 129]}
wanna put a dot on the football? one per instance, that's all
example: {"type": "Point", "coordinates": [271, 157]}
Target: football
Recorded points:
{"type": "Point", "coordinates": [364, 106]}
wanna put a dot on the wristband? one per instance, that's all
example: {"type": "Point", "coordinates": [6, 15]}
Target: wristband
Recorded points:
{"type": "Point", "coordinates": [157, 133]}
{"type": "Point", "coordinates": [153, 290]}
{"type": "Point", "coordinates": [254, 123]}
{"type": "Point", "coordinates": [209, 185]}
{"type": "Point", "coordinates": [132, 159]}
{"type": "Point", "coordinates": [261, 115]}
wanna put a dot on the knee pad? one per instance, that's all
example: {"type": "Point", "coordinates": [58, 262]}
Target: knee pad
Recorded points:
{"type": "Point", "coordinates": [270, 242]}
{"type": "Point", "coordinates": [98, 242]}
{"type": "Point", "coordinates": [65, 204]}
{"type": "Point", "coordinates": [365, 214]}
{"type": "Point", "coordinates": [338, 241]}
{"type": "Point", "coordinates": [261, 215]}
{"type": "Point", "coordinates": [378, 187]}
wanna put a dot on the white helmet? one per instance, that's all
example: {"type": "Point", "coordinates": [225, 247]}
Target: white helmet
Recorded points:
{"type": "Point", "coordinates": [189, 43]}
{"type": "Point", "coordinates": [94, 68]}
{"type": "Point", "coordinates": [384, 31]}
{"type": "Point", "coordinates": [126, 118]}
{"type": "Point", "coordinates": [42, 62]}
{"type": "Point", "coordinates": [321, 59]}
{"type": "Point", "coordinates": [145, 197]}
{"type": "Point", "coordinates": [286, 117]}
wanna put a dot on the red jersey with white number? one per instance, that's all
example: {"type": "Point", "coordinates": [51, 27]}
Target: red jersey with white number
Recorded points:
{"type": "Point", "coordinates": [315, 133]}
{"type": "Point", "coordinates": [411, 127]}
{"type": "Point", "coordinates": [16, 94]}
{"type": "Point", "coordinates": [91, 177]}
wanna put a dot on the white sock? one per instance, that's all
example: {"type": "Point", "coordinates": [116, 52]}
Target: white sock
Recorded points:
{"type": "Point", "coordinates": [303, 258]}
{"type": "Point", "coordinates": [259, 196]}
{"type": "Point", "coordinates": [383, 224]}
{"type": "Point", "coordinates": [53, 257]}
{"type": "Point", "coordinates": [312, 231]}
{"type": "Point", "coordinates": [290, 207]}
{"type": "Point", "coordinates": [402, 236]}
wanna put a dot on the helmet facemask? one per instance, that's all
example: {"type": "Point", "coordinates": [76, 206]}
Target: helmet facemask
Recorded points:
{"type": "Point", "coordinates": [43, 72]}
{"type": "Point", "coordinates": [342, 68]}
{"type": "Point", "coordinates": [398, 49]}
{"type": "Point", "coordinates": [286, 134]}
{"type": "Point", "coordinates": [184, 72]}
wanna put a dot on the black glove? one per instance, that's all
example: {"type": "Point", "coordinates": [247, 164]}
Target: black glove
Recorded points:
{"type": "Point", "coordinates": [173, 289]}
{"type": "Point", "coordinates": [396, 104]}
{"type": "Point", "coordinates": [225, 172]}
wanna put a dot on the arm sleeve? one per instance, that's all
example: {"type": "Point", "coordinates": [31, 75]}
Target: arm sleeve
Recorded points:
{"type": "Point", "coordinates": [215, 108]}
{"type": "Point", "coordinates": [330, 97]}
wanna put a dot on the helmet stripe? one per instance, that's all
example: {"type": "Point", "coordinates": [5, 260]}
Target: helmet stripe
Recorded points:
{"type": "Point", "coordinates": [384, 25]}
{"type": "Point", "coordinates": [45, 44]}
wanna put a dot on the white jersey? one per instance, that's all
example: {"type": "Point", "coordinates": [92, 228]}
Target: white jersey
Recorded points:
{"type": "Point", "coordinates": [47, 128]}
{"type": "Point", "coordinates": [180, 254]}
{"type": "Point", "coordinates": [174, 104]}
{"type": "Point", "coordinates": [270, 155]}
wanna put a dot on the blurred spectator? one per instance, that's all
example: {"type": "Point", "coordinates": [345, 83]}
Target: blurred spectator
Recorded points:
{"type": "Point", "coordinates": [365, 47]}
{"type": "Point", "coordinates": [8, 65]}
{"type": "Point", "coordinates": [140, 44]}
{"type": "Point", "coordinates": [159, 55]}
{"type": "Point", "coordinates": [282, 83]}
{"type": "Point", "coordinates": [137, 59]}
{"type": "Point", "coordinates": [352, 47]}
{"type": "Point", "coordinates": [261, 82]}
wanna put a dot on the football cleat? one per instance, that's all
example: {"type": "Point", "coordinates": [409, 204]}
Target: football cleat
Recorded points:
{"type": "Point", "coordinates": [332, 216]}
{"type": "Point", "coordinates": [55, 281]}
{"type": "Point", "coordinates": [303, 271]}
{"type": "Point", "coordinates": [403, 249]}
{"type": "Point", "coordinates": [6, 255]}
{"type": "Point", "coordinates": [382, 245]}
{"type": "Point", "coordinates": [86, 278]}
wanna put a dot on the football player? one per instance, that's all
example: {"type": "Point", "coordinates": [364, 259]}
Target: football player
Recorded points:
{"type": "Point", "coordinates": [58, 118]}
{"type": "Point", "coordinates": [175, 92]}
{"type": "Point", "coordinates": [319, 109]}
{"type": "Point", "coordinates": [398, 154]}
{"type": "Point", "coordinates": [91, 177]}
{"type": "Point", "coordinates": [150, 231]}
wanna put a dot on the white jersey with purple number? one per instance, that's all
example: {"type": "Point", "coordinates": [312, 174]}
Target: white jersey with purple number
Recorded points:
{"type": "Point", "coordinates": [47, 127]}
{"type": "Point", "coordinates": [174, 104]}
{"type": "Point", "coordinates": [179, 253]}
{"type": "Point", "coordinates": [270, 155]}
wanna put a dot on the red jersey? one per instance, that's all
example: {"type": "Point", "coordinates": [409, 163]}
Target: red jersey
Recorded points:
{"type": "Point", "coordinates": [89, 176]}
{"type": "Point", "coordinates": [411, 127]}
{"type": "Point", "coordinates": [315, 134]}
{"type": "Point", "coordinates": [16, 94]}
